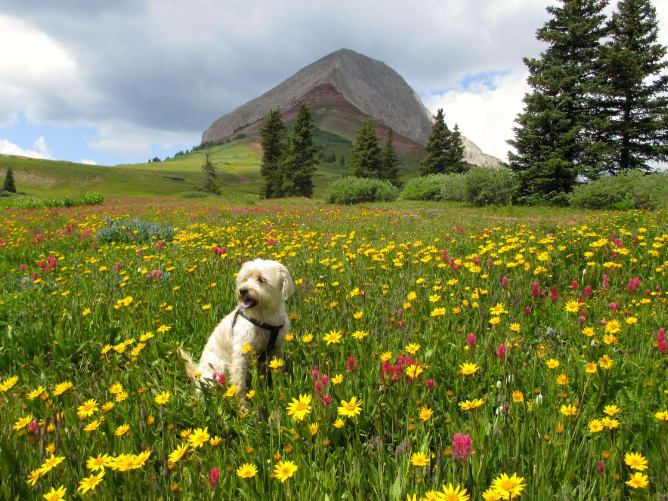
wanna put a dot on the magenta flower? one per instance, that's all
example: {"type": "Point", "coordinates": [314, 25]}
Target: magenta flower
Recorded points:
{"type": "Point", "coordinates": [471, 339]}
{"type": "Point", "coordinates": [214, 475]}
{"type": "Point", "coordinates": [501, 351]}
{"type": "Point", "coordinates": [461, 447]}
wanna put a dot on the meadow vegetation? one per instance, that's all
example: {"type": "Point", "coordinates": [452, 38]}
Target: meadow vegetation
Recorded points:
{"type": "Point", "coordinates": [437, 352]}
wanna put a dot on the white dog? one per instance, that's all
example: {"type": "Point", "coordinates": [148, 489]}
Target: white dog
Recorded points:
{"type": "Point", "coordinates": [260, 321]}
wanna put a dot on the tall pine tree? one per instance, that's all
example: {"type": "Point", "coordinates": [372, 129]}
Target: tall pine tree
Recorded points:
{"type": "Point", "coordinates": [273, 135]}
{"type": "Point", "coordinates": [455, 153]}
{"type": "Point", "coordinates": [390, 161]}
{"type": "Point", "coordinates": [299, 161]}
{"type": "Point", "coordinates": [634, 89]}
{"type": "Point", "coordinates": [551, 138]}
{"type": "Point", "coordinates": [438, 147]}
{"type": "Point", "coordinates": [9, 185]}
{"type": "Point", "coordinates": [367, 158]}
{"type": "Point", "coordinates": [210, 182]}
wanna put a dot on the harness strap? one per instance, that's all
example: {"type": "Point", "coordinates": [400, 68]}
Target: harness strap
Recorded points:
{"type": "Point", "coordinates": [273, 330]}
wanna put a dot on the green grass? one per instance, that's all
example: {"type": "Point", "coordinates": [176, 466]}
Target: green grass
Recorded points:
{"type": "Point", "coordinates": [77, 308]}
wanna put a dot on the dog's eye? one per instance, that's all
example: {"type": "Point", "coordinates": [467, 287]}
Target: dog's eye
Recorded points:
{"type": "Point", "coordinates": [260, 280]}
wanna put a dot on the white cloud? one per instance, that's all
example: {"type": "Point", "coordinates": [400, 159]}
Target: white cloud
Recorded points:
{"type": "Point", "coordinates": [39, 149]}
{"type": "Point", "coordinates": [484, 115]}
{"type": "Point", "coordinates": [87, 161]}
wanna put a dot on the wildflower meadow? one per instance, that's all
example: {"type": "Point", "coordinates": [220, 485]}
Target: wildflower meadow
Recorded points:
{"type": "Point", "coordinates": [436, 353]}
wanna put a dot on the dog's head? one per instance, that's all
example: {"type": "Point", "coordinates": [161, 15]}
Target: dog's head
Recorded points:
{"type": "Point", "coordinates": [263, 284]}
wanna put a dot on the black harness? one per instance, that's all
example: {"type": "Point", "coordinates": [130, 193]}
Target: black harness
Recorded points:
{"type": "Point", "coordinates": [273, 330]}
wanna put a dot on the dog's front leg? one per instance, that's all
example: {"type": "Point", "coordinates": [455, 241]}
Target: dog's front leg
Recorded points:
{"type": "Point", "coordinates": [238, 372]}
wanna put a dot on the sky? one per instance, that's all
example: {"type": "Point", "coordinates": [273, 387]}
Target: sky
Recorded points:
{"type": "Point", "coordinates": [124, 81]}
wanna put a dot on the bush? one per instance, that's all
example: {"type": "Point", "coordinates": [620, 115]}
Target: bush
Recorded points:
{"type": "Point", "coordinates": [490, 186]}
{"type": "Point", "coordinates": [43, 203]}
{"type": "Point", "coordinates": [454, 188]}
{"type": "Point", "coordinates": [354, 190]}
{"type": "Point", "coordinates": [628, 190]}
{"type": "Point", "coordinates": [134, 231]}
{"type": "Point", "coordinates": [425, 187]}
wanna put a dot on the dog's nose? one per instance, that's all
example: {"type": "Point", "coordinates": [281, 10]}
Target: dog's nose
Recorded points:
{"type": "Point", "coordinates": [243, 291]}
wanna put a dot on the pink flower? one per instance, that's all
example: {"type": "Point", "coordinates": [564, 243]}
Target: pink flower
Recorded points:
{"type": "Point", "coordinates": [214, 475]}
{"type": "Point", "coordinates": [430, 383]}
{"type": "Point", "coordinates": [117, 266]}
{"type": "Point", "coordinates": [535, 290]}
{"type": "Point", "coordinates": [351, 365]}
{"type": "Point", "coordinates": [574, 285]}
{"type": "Point", "coordinates": [613, 306]}
{"type": "Point", "coordinates": [444, 255]}
{"type": "Point", "coordinates": [160, 245]}
{"type": "Point", "coordinates": [33, 427]}
{"type": "Point", "coordinates": [600, 467]}
{"type": "Point", "coordinates": [605, 282]}
{"type": "Point", "coordinates": [501, 351]}
{"type": "Point", "coordinates": [661, 341]}
{"type": "Point", "coordinates": [504, 283]}
{"type": "Point", "coordinates": [471, 339]}
{"type": "Point", "coordinates": [314, 373]}
{"type": "Point", "coordinates": [326, 399]}
{"type": "Point", "coordinates": [554, 294]}
{"type": "Point", "coordinates": [588, 290]}
{"type": "Point", "coordinates": [317, 386]}
{"type": "Point", "coordinates": [527, 311]}
{"type": "Point", "coordinates": [461, 446]}
{"type": "Point", "coordinates": [219, 377]}
{"type": "Point", "coordinates": [582, 319]}
{"type": "Point", "coordinates": [22, 267]}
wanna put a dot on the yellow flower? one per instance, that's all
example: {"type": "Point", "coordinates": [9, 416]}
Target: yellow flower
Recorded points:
{"type": "Point", "coordinates": [419, 459]}
{"type": "Point", "coordinates": [605, 362]}
{"type": "Point", "coordinates": [35, 393]}
{"type": "Point", "coordinates": [314, 427]}
{"type": "Point", "coordinates": [662, 416]}
{"type": "Point", "coordinates": [610, 423]}
{"type": "Point", "coordinates": [562, 379]}
{"type": "Point", "coordinates": [455, 493]}
{"type": "Point", "coordinates": [338, 379]}
{"type": "Point", "coordinates": [438, 312]}
{"type": "Point", "coordinates": [50, 463]}
{"type": "Point", "coordinates": [569, 410]}
{"type": "Point", "coordinates": [333, 337]}
{"type": "Point", "coordinates": [339, 423]}
{"type": "Point", "coordinates": [284, 470]}
{"type": "Point", "coordinates": [198, 437]}
{"type": "Point", "coordinates": [491, 495]}
{"type": "Point", "coordinates": [412, 348]}
{"type": "Point", "coordinates": [22, 422]}
{"type": "Point", "coordinates": [116, 388]}
{"type": "Point", "coordinates": [468, 405]}
{"type": "Point", "coordinates": [499, 309]}
{"type": "Point", "coordinates": [247, 470]}
{"type": "Point", "coordinates": [509, 487]}
{"type": "Point", "coordinates": [250, 394]}
{"type": "Point", "coordinates": [518, 396]}
{"type": "Point", "coordinates": [93, 425]}
{"type": "Point", "coordinates": [613, 327]}
{"type": "Point", "coordinates": [88, 408]}
{"type": "Point", "coordinates": [552, 363]}
{"type": "Point", "coordinates": [468, 368]}
{"type": "Point", "coordinates": [121, 396]}
{"type": "Point", "coordinates": [214, 441]}
{"type": "Point", "coordinates": [62, 388]}
{"type": "Point", "coordinates": [33, 477]}
{"type": "Point", "coordinates": [572, 306]}
{"type": "Point", "coordinates": [412, 296]}
{"type": "Point", "coordinates": [596, 425]}
{"type": "Point", "coordinates": [385, 356]}
{"type": "Point", "coordinates": [55, 495]}
{"type": "Point", "coordinates": [351, 408]}
{"type": "Point", "coordinates": [413, 371]}
{"type": "Point", "coordinates": [8, 383]}
{"type": "Point", "coordinates": [178, 453]}
{"type": "Point", "coordinates": [98, 463]}
{"type": "Point", "coordinates": [515, 327]}
{"type": "Point", "coordinates": [301, 408]}
{"type": "Point", "coordinates": [162, 398]}
{"type": "Point", "coordinates": [246, 348]}
{"type": "Point", "coordinates": [635, 461]}
{"type": "Point", "coordinates": [611, 410]}
{"type": "Point", "coordinates": [276, 363]}
{"type": "Point", "coordinates": [123, 429]}
{"type": "Point", "coordinates": [591, 367]}
{"type": "Point", "coordinates": [206, 307]}
{"type": "Point", "coordinates": [90, 483]}
{"type": "Point", "coordinates": [588, 331]}
{"type": "Point", "coordinates": [358, 314]}
{"type": "Point", "coordinates": [359, 335]}
{"type": "Point", "coordinates": [638, 481]}
{"type": "Point", "coordinates": [307, 338]}
{"type": "Point", "coordinates": [107, 406]}
{"type": "Point", "coordinates": [426, 413]}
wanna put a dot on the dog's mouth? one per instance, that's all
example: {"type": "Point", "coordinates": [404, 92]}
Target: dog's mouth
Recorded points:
{"type": "Point", "coordinates": [248, 302]}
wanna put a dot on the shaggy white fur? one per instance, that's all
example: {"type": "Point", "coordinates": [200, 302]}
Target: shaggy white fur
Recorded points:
{"type": "Point", "coordinates": [262, 289]}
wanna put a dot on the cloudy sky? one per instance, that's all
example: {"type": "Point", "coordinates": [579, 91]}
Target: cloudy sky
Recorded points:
{"type": "Point", "coordinates": [123, 81]}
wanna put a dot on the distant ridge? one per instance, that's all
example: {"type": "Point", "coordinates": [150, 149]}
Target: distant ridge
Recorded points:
{"type": "Point", "coordinates": [352, 86]}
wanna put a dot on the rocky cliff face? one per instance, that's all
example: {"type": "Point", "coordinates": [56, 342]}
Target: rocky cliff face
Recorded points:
{"type": "Point", "coordinates": [349, 80]}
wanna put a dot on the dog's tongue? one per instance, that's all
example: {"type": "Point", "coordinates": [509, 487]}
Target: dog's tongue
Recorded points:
{"type": "Point", "coordinates": [248, 303]}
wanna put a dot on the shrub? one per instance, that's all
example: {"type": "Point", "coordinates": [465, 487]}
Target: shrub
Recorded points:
{"type": "Point", "coordinates": [425, 187]}
{"type": "Point", "coordinates": [454, 188]}
{"type": "Point", "coordinates": [490, 186]}
{"type": "Point", "coordinates": [42, 203]}
{"type": "Point", "coordinates": [628, 190]}
{"type": "Point", "coordinates": [353, 190]}
{"type": "Point", "coordinates": [134, 231]}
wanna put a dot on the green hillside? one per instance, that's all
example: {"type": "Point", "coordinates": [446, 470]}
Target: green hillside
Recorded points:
{"type": "Point", "coordinates": [237, 163]}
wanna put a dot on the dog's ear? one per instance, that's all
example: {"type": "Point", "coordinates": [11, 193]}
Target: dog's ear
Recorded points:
{"type": "Point", "coordinates": [287, 285]}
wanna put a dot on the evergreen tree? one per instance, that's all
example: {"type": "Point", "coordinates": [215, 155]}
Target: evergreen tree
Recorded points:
{"type": "Point", "coordinates": [366, 159]}
{"type": "Point", "coordinates": [552, 140]}
{"type": "Point", "coordinates": [634, 89]}
{"type": "Point", "coordinates": [299, 162]}
{"type": "Point", "coordinates": [455, 153]}
{"type": "Point", "coordinates": [9, 181]}
{"type": "Point", "coordinates": [273, 135]}
{"type": "Point", "coordinates": [210, 183]}
{"type": "Point", "coordinates": [437, 149]}
{"type": "Point", "coordinates": [390, 161]}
